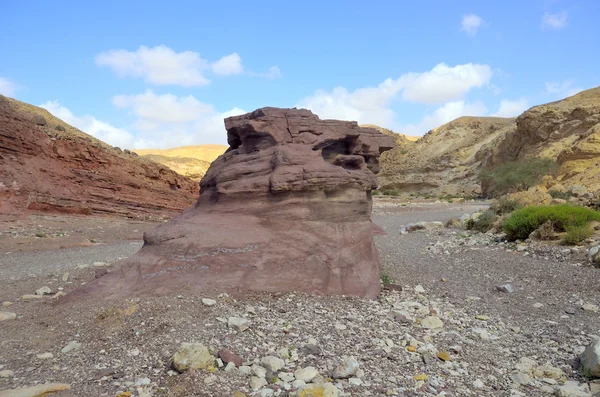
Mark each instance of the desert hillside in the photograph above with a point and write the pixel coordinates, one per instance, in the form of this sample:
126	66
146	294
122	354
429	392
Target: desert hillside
190	161
48	165
444	161
567	131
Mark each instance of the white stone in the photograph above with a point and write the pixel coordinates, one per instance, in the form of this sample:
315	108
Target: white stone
7	316
45	356
257	383
43	291
589	307
478	384
229	367
238	323
355	381
573	389
272	363
297	384
432	322
590	358
259	371
71	346
208	302
7	373
306	374
419	289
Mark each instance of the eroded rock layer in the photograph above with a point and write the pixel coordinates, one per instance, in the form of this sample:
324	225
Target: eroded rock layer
47	165
286	208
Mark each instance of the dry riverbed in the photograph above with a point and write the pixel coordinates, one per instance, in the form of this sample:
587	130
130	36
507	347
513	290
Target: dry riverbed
449	332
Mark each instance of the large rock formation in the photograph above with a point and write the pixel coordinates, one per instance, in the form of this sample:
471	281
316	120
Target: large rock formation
567	131
286	208
446	160
47	165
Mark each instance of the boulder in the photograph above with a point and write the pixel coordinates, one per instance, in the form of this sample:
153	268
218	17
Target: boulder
192	356
590	359
537	195
286	208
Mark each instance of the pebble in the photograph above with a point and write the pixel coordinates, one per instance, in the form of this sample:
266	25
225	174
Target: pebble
589	307
45	356
43	291
257	383
192	356
306	374
208	302
507	287
346	369
7	316
590	358
7	373
419	289
71	346
478	384
272	363
538	305
432	322
238	323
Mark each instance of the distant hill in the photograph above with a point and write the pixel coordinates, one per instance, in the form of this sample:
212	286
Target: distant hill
48	165
191	161
444	161
567	131
448	159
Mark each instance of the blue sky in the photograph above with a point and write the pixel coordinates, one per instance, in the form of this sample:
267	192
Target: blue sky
164	74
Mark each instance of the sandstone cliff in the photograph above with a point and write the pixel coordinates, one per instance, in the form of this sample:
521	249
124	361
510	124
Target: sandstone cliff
190	161
566	130
48	165
444	161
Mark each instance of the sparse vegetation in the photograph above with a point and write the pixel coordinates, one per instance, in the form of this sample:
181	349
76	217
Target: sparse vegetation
484	223
522	222
505	206
577	234
560	195
516	176
386	279
41	234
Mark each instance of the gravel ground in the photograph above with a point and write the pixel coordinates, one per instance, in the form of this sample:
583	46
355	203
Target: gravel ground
448	333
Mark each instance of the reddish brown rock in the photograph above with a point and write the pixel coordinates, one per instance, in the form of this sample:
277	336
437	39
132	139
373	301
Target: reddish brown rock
227	356
286	208
48	166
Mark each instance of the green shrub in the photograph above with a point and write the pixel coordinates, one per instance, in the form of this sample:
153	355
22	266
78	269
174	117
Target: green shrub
484	223
577	234
560	195
505	206
376	193
386	279
520	224
516	175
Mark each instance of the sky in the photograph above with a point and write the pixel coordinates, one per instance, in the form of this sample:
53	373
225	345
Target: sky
157	74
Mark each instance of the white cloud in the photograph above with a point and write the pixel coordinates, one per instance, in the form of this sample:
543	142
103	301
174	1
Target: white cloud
162	108
167	120
443	115
510	108
90	125
228	65
7	87
161	65
562	89
471	24
555	21
442	84
273	73
158	65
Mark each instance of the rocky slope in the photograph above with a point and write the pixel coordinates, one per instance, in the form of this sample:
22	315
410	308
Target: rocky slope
566	130
190	161
48	165
444	161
